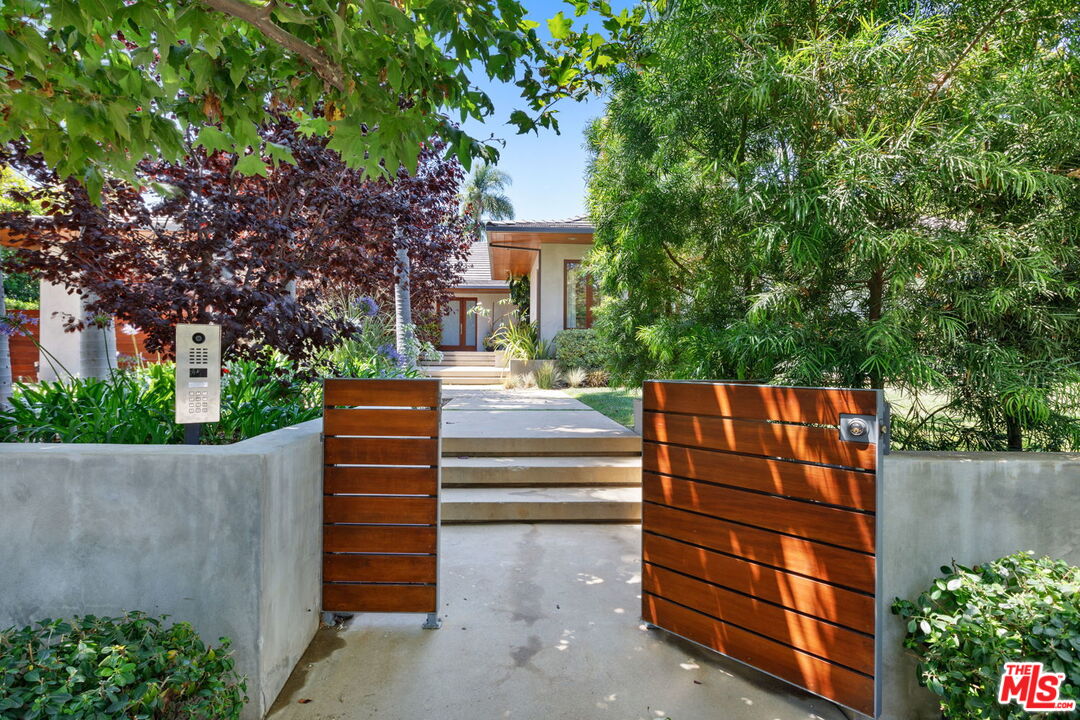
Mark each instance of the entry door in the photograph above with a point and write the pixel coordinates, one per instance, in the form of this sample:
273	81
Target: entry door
459	325
759	528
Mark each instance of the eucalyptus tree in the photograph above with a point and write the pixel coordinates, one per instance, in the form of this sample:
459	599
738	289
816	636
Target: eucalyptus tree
863	193
98	86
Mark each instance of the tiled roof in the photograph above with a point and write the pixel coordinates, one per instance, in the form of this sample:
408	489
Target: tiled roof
478	272
579	224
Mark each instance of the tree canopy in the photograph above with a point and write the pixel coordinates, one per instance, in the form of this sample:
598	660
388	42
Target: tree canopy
483	196
857	193
260	255
97	86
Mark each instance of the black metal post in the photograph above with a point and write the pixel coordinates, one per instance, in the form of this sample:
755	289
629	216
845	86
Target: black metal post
192	431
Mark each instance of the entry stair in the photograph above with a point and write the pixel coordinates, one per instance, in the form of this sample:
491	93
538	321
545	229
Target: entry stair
492	480
465	367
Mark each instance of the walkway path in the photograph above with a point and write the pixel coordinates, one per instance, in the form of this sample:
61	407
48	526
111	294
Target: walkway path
537	455
540	622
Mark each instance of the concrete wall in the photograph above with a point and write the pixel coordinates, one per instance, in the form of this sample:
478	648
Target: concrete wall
971	508
227	538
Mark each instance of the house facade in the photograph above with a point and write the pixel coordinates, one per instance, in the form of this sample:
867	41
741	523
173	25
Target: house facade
481	302
550	254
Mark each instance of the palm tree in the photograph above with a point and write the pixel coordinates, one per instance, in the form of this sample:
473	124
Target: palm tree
482	197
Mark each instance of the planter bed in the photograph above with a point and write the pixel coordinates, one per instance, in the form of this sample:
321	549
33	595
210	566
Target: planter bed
226	537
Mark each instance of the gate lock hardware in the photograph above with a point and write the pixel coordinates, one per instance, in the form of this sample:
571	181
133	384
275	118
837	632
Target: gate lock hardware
858	428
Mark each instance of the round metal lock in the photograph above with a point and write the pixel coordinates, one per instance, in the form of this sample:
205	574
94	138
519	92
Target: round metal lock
857	427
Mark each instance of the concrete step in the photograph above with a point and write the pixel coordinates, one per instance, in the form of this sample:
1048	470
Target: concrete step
505	433
475	381
465	370
485	359
540	471
564	504
466	374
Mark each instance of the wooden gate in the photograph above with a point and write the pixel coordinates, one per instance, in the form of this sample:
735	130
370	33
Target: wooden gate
759	532
381	453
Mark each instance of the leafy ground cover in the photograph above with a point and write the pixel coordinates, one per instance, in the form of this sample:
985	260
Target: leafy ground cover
131	667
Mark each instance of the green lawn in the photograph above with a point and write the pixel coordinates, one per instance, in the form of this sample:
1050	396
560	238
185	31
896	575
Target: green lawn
616	403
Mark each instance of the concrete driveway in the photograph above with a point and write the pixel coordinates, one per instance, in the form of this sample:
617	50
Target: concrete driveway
540	622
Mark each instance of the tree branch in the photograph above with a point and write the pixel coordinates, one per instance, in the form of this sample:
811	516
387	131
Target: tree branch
944	78
675	260
259	17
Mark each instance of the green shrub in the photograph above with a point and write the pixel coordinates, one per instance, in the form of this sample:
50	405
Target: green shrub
580	349
137	406
969	623
131	667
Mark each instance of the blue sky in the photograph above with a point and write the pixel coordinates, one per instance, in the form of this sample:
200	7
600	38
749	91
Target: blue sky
548	170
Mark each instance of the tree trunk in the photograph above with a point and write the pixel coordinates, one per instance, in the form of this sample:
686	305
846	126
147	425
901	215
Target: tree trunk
5	349
1014	433
403	325
97	350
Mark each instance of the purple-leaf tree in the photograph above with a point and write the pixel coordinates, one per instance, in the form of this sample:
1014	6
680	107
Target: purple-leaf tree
258	254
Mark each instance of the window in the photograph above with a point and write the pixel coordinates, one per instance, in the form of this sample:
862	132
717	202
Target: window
579	295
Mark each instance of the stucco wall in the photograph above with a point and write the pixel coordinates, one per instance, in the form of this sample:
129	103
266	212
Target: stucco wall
552	264
227	538
971	508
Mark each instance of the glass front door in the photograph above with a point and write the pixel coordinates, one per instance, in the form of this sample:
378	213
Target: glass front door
459	325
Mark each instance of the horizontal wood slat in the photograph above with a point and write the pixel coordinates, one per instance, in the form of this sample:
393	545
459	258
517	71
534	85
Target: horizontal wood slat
758	402
364	421
381	480
379	538
824	562
800	593
382	393
849	488
379	568
819	676
836	644
799	442
846	528
381	451
379	598
374	509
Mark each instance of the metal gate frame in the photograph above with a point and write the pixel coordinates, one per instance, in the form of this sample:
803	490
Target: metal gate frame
382	451
695	416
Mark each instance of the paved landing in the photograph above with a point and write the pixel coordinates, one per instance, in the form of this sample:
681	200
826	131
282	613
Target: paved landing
529	422
497	398
540	622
